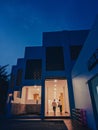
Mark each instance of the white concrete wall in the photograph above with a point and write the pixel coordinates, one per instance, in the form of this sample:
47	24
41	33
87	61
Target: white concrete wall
81	75
82	98
23	98
67	107
16	99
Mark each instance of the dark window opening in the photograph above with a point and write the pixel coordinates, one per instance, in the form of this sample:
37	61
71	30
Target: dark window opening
19	77
33	69
74	51
54	58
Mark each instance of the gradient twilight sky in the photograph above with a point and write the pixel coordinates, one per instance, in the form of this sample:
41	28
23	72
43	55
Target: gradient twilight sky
23	21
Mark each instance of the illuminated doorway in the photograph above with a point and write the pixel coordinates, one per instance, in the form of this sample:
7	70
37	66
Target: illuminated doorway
56	89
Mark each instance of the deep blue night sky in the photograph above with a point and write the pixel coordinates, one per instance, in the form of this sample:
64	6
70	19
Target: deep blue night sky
23	21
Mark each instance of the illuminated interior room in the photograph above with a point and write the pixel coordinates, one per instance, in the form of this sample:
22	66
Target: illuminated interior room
56	89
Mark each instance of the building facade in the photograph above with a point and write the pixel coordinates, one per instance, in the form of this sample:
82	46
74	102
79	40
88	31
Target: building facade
44	74
85	78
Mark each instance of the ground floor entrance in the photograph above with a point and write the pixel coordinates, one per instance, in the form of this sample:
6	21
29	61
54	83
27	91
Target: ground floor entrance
56	89
31	101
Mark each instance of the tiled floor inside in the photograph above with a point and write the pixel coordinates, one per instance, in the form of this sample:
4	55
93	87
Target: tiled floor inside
57	114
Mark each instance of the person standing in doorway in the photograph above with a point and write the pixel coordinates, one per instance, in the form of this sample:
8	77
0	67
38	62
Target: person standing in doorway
60	106
54	105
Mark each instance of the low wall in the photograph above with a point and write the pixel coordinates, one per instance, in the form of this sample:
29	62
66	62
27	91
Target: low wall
18	109
33	108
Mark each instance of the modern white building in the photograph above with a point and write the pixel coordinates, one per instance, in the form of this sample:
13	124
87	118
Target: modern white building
44	74
85	78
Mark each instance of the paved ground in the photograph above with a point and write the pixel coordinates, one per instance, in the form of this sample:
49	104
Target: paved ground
32	125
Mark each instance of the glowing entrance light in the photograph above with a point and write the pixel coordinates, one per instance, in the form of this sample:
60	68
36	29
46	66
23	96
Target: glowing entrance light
35	86
55	80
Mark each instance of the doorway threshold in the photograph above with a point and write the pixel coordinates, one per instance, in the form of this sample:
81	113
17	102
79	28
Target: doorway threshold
57	117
